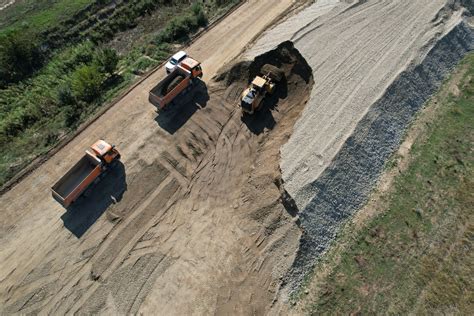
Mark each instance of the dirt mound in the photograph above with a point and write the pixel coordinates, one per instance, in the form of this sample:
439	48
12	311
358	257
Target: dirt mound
284	57
167	88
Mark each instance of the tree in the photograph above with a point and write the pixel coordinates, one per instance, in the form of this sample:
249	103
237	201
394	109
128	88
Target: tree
107	61
19	56
86	82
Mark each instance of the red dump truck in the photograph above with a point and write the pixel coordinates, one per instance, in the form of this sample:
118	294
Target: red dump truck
86	171
177	82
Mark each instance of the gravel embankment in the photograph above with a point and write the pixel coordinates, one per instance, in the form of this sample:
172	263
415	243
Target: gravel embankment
345	185
374	64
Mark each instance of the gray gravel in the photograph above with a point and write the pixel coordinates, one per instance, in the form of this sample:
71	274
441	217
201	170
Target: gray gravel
345	185
374	65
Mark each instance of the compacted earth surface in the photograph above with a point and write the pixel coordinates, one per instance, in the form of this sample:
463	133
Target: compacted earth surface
198	218
195	219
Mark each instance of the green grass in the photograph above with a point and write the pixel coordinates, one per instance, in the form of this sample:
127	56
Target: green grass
417	255
39	15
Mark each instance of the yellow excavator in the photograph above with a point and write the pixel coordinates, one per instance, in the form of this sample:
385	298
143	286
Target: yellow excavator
252	97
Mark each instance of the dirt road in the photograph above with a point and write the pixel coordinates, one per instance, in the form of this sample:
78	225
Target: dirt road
165	243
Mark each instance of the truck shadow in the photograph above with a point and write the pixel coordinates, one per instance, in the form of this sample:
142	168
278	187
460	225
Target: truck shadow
263	118
176	114
84	212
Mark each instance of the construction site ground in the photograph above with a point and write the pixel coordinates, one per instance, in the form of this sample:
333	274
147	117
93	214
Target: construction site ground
196	218
177	217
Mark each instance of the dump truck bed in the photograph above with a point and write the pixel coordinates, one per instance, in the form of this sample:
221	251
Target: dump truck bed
163	93
77	179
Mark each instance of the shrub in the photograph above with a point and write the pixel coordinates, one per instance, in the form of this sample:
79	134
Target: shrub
65	95
18	120
107	61
72	115
86	82
180	27
198	12
158	52
142	64
19	56
80	54
196	8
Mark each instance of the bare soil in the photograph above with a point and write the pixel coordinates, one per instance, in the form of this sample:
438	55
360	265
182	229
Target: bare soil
194	219
197	219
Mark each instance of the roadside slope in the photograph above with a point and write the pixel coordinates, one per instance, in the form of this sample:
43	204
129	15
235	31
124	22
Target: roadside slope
368	85
410	249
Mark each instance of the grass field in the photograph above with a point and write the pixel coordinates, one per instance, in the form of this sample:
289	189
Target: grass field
39	15
416	255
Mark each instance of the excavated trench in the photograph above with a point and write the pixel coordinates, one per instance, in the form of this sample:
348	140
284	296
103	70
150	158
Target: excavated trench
345	184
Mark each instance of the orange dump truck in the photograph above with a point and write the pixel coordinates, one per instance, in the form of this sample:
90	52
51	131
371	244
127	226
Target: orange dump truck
178	81
86	171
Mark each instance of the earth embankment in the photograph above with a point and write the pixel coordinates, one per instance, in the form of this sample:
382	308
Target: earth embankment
374	64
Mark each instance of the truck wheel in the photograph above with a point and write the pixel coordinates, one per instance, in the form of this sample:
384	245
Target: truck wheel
275	73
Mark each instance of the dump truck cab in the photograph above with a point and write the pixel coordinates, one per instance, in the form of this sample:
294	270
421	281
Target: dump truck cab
193	66
105	151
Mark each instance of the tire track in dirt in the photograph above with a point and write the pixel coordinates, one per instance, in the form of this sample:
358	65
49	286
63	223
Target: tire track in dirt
188	217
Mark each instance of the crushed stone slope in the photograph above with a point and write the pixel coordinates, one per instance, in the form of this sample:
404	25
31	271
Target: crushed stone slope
374	64
356	51
345	184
